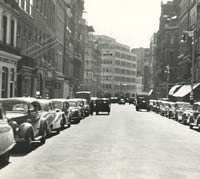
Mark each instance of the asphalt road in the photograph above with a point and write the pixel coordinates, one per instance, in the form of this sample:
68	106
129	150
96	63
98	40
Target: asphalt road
124	145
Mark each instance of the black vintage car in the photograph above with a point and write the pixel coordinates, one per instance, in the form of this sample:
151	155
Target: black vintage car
24	116
142	102
102	105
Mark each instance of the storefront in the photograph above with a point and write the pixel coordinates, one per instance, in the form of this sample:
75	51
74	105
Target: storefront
8	66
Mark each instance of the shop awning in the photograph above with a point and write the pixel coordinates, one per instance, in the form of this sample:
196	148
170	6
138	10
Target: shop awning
174	89
184	90
150	92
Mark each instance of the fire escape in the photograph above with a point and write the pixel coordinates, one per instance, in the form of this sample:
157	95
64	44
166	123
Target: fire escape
38	49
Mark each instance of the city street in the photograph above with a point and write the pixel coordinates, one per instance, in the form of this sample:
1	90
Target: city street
124	145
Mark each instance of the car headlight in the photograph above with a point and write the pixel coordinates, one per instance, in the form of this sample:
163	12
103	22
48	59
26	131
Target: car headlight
14	126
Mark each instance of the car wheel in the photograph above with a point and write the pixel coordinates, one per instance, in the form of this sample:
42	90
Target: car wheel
28	141
4	159
191	127
44	135
97	113
62	124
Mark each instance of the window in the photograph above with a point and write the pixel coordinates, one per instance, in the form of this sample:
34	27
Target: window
4	90
27	6
4	28
12	33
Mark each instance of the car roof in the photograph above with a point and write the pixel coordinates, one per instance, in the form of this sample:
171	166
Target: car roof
181	102
102	99
25	99
198	103
59	99
44	101
73	99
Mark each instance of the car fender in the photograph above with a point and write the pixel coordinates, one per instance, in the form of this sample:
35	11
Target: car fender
43	125
24	128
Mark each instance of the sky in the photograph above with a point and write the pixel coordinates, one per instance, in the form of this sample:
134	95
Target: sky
130	22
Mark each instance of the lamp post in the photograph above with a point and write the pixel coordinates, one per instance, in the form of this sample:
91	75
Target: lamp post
167	83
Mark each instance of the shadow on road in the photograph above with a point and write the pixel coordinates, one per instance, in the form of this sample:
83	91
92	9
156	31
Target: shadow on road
4	165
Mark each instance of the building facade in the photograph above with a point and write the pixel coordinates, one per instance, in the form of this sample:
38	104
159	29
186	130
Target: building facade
118	68
9	53
143	67
167	48
92	64
42	46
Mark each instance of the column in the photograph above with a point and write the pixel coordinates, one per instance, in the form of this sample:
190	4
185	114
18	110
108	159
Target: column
8	29
0	79
1	11
15	33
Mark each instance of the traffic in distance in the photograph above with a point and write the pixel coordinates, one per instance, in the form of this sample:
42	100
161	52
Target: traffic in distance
26	120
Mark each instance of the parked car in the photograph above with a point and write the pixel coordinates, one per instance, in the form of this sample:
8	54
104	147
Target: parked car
62	106
131	100
122	101
178	109
114	100
54	118
74	111
181	111
80	104
164	108
93	103
195	118
24	116
102	105
187	113
157	106
86	108
171	110
7	141
151	104
142	102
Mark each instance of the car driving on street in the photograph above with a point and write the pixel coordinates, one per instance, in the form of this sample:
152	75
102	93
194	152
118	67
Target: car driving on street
102	105
142	102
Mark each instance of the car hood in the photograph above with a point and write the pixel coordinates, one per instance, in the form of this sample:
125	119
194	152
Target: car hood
73	108
12	115
18	117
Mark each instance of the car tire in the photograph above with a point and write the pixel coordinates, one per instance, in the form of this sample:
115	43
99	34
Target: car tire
191	127
28	141
4	159
44	134
97	113
62	125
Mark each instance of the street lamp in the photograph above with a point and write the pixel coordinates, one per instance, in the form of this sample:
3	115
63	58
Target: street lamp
167	84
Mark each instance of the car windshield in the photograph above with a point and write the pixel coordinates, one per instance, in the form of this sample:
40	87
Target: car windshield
45	106
72	103
188	106
180	105
197	107
15	106
58	104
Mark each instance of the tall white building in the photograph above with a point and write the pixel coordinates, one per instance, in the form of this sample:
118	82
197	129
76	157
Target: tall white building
118	68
